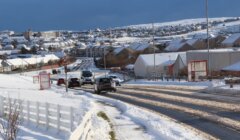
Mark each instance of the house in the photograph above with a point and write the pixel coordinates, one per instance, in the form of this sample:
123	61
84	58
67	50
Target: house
165	64
8	47
49	34
23	63
233	70
20	46
15	63
139	47
197	44
232	41
178	45
19	39
121	57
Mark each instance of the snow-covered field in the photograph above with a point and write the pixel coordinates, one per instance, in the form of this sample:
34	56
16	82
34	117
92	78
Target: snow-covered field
129	122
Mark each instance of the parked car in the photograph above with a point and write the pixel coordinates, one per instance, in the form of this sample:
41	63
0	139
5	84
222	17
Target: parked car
87	77
54	71
104	84
73	82
60	81
116	79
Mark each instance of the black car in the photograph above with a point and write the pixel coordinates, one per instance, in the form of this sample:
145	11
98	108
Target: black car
104	84
73	82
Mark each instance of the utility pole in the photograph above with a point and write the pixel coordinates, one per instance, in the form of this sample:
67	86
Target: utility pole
104	59
66	78
209	65
154	51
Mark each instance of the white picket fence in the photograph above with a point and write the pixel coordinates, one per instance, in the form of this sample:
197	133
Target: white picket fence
46	114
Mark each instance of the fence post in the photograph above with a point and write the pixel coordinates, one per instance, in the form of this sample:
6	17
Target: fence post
37	113
28	111
71	119
46	115
1	106
58	118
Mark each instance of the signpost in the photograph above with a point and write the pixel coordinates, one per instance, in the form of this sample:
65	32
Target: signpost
44	79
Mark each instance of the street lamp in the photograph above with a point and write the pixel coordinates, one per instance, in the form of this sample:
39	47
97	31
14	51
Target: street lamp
209	66
104	59
154	52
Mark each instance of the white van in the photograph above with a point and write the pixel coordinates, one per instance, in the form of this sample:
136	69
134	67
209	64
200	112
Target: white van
87	77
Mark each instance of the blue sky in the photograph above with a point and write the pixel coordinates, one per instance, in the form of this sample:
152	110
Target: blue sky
20	15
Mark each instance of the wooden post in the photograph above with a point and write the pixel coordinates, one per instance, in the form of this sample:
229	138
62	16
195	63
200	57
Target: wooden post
71	119
46	115
28	111
37	113
58	118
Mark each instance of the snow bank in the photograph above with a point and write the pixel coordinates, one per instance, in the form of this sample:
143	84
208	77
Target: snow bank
161	127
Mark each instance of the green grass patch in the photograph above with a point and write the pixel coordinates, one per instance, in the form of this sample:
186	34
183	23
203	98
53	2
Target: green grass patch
112	135
105	117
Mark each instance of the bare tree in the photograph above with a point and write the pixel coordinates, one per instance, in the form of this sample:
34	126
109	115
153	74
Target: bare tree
9	124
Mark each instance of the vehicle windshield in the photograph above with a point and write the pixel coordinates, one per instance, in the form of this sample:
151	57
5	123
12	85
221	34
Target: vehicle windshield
104	80
74	79
113	76
87	74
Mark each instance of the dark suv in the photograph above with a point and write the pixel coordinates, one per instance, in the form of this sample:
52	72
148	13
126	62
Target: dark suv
73	82
104	84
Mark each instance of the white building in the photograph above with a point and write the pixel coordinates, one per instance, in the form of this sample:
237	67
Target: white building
218	58
165	64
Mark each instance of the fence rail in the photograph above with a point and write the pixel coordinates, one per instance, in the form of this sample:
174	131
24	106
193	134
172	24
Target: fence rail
45	114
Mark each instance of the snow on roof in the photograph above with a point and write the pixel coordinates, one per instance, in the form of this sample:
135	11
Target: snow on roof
215	50
191	41
21	46
161	58
49	57
138	46
7	40
175	45
8	52
52	44
9	47
59	54
129	39
118	50
231	39
102	39
17	62
33	60
39	59
81	45
233	67
130	66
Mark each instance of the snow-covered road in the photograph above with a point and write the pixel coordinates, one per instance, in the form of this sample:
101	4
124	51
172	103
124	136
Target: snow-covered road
129	122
